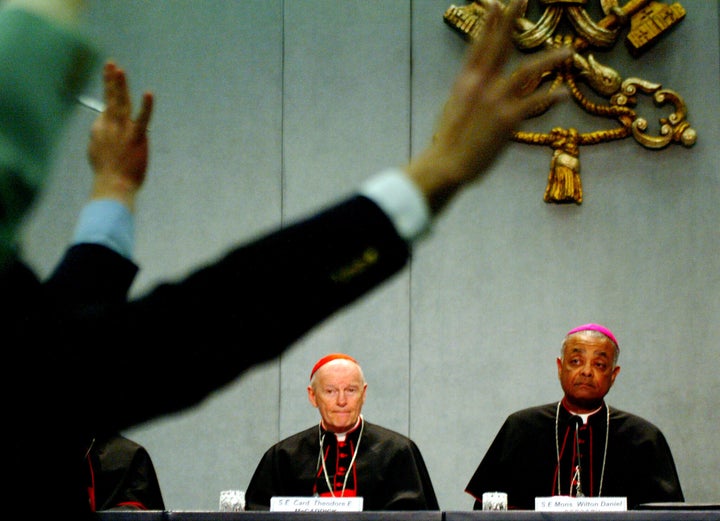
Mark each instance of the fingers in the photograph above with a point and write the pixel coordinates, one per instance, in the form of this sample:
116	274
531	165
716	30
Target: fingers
533	68
109	86
491	50
531	72
143	119
522	87
118	104
117	99
484	76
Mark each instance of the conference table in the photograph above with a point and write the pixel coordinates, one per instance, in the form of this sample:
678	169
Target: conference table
697	512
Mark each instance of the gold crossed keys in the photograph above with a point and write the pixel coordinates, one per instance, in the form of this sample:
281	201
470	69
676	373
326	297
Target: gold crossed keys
616	98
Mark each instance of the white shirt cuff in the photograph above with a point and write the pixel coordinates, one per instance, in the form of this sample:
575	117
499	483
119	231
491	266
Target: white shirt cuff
401	200
109	223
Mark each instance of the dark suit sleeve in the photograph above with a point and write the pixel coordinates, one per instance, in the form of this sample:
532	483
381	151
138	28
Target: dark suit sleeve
90	275
188	338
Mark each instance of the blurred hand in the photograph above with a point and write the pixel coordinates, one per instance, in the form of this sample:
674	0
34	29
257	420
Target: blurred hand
118	149
484	108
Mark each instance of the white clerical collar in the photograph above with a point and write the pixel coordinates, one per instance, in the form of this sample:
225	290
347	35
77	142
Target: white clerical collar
340	436
584	415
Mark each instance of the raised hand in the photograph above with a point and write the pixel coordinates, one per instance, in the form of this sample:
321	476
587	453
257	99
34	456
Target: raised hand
484	108
118	149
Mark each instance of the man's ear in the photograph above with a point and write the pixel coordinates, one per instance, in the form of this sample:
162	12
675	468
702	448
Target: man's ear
311	396
559	366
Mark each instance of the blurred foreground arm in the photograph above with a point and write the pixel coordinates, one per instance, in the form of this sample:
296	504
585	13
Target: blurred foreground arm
269	292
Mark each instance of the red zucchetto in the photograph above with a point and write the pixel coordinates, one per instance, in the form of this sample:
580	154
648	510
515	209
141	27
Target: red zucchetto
329	358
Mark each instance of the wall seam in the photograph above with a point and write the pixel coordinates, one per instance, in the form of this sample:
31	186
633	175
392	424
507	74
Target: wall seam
282	193
410	262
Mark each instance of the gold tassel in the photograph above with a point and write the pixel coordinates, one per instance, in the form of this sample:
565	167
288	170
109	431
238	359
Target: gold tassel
564	184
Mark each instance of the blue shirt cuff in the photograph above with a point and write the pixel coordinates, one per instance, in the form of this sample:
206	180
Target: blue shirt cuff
109	223
401	200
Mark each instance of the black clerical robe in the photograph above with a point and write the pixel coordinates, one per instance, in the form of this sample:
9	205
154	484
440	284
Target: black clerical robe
522	459
389	472
122	476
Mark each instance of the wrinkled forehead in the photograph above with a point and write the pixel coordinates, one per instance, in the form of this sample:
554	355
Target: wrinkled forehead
588	343
339	373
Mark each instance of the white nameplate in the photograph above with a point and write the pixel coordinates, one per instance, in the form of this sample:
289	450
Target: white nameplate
580	504
315	504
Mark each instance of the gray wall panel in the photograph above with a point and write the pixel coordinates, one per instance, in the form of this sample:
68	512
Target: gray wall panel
337	98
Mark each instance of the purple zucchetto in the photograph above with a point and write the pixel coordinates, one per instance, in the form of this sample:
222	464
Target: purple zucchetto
595	327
